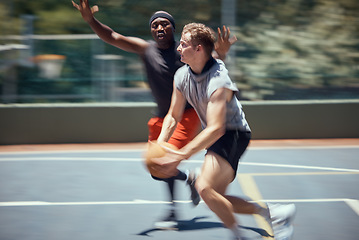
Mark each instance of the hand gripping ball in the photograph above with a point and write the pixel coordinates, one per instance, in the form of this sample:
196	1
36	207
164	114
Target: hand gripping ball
155	150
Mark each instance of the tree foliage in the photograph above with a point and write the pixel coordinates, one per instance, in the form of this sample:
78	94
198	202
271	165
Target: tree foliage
305	42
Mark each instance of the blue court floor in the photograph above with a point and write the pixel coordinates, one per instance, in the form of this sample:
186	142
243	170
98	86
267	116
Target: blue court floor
99	191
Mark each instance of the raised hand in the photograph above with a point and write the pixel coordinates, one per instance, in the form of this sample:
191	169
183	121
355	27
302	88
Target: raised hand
224	42
86	12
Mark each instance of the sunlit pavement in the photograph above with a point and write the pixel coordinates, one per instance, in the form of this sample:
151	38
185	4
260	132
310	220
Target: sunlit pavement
103	191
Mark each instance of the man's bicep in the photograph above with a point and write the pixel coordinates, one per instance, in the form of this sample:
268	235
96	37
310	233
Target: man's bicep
216	108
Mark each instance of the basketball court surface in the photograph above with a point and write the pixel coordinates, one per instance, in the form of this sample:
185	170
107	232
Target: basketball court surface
103	191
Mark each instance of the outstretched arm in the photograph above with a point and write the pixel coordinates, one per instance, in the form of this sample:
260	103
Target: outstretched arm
129	44
224	42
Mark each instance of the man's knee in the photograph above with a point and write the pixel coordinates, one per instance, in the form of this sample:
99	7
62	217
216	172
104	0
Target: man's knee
204	189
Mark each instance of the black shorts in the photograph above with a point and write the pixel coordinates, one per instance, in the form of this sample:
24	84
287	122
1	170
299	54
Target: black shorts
231	146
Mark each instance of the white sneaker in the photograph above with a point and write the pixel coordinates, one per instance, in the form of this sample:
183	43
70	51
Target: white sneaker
283	232
168	222
281	217
281	214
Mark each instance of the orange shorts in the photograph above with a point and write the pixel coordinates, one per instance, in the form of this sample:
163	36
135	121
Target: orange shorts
185	131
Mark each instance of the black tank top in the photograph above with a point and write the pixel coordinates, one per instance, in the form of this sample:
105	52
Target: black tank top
161	66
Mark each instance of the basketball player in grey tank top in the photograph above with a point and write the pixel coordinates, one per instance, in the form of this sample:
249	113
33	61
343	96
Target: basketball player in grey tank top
198	88
205	84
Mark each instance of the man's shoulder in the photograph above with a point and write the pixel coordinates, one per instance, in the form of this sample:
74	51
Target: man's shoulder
151	44
182	70
180	75
219	69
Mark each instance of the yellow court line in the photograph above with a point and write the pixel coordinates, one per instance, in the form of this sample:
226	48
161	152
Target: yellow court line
250	189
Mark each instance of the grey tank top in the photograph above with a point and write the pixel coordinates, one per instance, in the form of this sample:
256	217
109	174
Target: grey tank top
198	89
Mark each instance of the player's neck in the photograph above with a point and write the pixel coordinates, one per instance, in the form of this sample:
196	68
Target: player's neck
165	44
198	66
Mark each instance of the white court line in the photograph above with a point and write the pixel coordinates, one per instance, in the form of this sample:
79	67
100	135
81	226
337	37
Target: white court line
299	166
315	200
143	149
73	151
43	203
303	147
187	161
353	203
89	159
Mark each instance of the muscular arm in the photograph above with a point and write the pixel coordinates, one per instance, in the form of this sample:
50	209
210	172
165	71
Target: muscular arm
216	123
129	44
216	127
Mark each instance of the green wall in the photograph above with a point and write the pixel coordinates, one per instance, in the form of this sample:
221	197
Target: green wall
127	122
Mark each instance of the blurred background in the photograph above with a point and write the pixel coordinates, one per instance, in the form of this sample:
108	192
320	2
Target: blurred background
287	49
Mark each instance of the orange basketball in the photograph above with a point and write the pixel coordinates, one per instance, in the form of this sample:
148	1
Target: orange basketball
155	150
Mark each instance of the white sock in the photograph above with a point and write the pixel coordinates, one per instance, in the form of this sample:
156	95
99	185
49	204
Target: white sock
187	174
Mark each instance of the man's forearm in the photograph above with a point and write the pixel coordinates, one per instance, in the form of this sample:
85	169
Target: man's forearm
102	30
203	140
168	127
